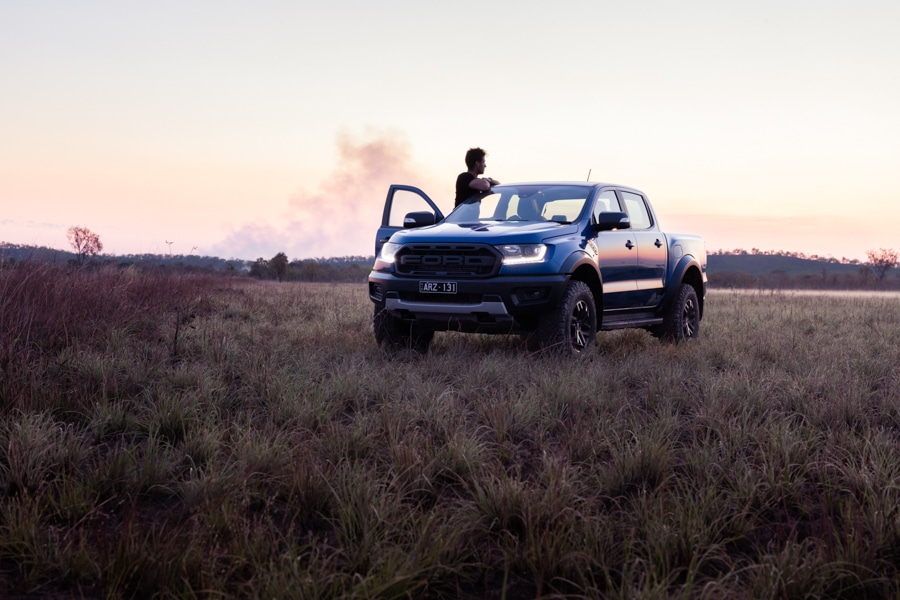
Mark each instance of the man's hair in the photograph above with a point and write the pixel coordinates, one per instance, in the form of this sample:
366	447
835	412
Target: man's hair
474	155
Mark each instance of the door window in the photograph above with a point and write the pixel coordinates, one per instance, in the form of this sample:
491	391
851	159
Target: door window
637	211
606	202
405	202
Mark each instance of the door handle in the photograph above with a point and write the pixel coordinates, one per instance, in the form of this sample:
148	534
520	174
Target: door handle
629	245
658	244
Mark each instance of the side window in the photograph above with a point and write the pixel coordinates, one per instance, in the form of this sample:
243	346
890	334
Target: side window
405	202
637	211
606	202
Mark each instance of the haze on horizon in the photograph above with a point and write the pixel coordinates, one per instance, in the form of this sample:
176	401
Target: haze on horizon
243	131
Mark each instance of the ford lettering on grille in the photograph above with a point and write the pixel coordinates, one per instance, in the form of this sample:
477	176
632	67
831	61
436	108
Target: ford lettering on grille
453	261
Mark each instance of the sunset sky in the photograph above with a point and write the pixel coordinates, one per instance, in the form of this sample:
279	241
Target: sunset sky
243	129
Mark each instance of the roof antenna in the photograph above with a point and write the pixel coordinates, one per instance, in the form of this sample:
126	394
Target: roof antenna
589	175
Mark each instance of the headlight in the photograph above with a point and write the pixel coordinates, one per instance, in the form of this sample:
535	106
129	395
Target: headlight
388	251
517	254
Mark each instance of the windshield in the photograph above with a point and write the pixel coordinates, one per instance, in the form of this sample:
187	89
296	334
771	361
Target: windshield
561	203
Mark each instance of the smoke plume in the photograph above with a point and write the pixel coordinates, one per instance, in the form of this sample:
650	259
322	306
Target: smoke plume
341	217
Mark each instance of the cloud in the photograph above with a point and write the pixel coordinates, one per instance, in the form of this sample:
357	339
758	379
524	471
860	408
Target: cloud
341	217
31	224
33	233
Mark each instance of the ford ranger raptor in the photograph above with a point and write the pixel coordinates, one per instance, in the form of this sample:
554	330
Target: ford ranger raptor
555	262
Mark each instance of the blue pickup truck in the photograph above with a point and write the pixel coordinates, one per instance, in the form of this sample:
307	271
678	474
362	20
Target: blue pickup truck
555	262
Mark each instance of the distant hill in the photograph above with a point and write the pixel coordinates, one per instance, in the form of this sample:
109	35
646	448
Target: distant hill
767	264
341	268
19	253
774	270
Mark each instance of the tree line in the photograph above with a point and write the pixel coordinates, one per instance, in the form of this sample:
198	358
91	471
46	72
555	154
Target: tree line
342	269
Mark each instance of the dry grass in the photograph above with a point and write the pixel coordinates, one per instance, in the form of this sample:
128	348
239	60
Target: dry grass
186	437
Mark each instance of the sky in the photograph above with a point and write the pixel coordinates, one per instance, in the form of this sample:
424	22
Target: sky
244	129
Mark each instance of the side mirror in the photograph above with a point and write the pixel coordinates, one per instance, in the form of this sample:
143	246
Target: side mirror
610	221
418	219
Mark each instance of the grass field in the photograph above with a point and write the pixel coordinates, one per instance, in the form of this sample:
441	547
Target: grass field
178	436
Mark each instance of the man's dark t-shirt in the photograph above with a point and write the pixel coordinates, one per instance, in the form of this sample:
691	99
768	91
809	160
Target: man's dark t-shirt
463	190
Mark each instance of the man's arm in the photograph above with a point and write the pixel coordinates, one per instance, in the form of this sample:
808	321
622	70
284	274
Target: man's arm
483	184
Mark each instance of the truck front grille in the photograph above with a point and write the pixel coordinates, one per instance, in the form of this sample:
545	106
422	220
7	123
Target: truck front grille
456	261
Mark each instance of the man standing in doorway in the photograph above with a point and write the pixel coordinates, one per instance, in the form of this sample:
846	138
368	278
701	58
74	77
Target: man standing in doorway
468	183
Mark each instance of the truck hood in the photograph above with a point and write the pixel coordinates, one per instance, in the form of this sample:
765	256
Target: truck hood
492	232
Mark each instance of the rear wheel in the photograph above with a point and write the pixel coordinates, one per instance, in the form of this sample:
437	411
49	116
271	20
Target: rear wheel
572	326
393	334
681	323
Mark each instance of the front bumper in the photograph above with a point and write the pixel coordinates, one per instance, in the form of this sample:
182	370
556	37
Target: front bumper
498	304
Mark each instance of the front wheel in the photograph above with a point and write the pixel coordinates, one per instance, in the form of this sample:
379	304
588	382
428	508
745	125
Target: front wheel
392	334
571	327
681	323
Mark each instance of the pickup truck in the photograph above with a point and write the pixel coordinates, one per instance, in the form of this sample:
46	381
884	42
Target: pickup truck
555	262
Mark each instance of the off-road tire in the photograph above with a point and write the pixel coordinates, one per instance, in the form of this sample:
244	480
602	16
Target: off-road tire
681	323
571	327
393	335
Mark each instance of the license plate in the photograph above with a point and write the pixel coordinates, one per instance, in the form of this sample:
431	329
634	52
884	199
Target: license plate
437	287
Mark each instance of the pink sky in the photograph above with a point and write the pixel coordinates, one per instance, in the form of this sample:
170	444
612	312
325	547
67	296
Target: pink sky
242	131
